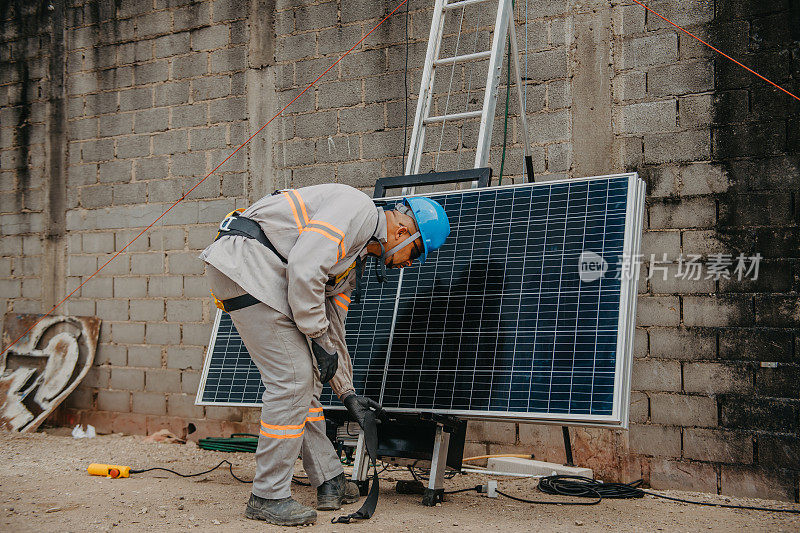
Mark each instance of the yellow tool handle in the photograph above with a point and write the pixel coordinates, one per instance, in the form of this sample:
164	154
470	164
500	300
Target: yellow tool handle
114	471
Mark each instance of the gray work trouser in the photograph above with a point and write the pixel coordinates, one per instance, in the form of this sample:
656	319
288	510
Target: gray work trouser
291	417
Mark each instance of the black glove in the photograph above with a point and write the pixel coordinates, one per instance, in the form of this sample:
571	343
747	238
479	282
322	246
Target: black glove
359	406
326	362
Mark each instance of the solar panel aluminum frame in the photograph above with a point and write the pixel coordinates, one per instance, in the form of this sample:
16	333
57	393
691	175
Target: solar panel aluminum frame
625	328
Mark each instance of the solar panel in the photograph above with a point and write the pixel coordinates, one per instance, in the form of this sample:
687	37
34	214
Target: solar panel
525	312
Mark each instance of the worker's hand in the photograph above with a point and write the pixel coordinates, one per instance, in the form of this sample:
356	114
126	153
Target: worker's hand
326	362
359	406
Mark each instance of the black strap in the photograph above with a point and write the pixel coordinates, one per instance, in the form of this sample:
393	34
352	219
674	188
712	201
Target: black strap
239	302
245	227
371	441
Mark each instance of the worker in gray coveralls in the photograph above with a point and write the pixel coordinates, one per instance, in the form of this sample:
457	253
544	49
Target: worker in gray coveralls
285	269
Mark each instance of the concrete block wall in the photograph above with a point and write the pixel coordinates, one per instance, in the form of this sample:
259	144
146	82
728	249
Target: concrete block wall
145	98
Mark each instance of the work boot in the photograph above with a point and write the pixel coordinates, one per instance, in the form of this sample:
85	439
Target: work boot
283	511
334	492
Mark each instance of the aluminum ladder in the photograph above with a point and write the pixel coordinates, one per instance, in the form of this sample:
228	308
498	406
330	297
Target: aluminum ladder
504	27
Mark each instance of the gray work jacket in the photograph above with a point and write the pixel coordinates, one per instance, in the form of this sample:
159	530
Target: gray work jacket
320	230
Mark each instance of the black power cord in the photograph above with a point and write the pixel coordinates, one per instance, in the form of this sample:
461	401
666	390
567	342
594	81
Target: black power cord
224	461
586	487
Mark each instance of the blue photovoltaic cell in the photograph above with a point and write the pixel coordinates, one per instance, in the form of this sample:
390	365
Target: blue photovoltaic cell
497	321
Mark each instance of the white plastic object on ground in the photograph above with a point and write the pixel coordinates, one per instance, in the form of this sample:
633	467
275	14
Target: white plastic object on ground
79	433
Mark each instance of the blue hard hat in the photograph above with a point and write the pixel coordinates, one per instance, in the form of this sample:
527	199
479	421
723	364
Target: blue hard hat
432	223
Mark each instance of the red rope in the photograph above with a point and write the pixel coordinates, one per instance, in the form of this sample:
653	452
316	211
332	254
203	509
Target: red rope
202	180
717	50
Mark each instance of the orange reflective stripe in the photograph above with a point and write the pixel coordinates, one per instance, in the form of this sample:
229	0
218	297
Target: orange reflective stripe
329	226
315	410
302	205
323	233
315	419
274	436
294	210
271	426
344	297
340	304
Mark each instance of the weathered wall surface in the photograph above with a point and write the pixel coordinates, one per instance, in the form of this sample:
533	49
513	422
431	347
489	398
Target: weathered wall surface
113	110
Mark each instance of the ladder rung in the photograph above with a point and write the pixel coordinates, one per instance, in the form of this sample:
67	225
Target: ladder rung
454	116
461	59
463	3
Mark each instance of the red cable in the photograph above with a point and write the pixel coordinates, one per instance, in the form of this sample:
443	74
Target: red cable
202	180
717	50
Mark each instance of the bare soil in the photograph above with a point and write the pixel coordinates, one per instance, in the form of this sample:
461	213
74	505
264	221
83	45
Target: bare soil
44	486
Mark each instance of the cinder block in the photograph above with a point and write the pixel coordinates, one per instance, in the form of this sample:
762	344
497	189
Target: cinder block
717	446
174	93
658	49
656	375
151	168
195	287
210	38
150	121
163	380
115	171
754	482
682	343
677	147
639	411
518	465
229	59
192	16
549	127
681	78
184	263
129	193
190	382
646	117
170	142
651	440
190	66
183	405
196	334
116	124
153	24
117	401
163	334
94	151
174	44
687	213
130	379
147	263
184	310
98	288
294	47
193	165
658	311
367	119
111	354
682	475
113	309
339	94
206	138
224	413
497	432
132	99
147	310
227	110
185	357
150	403
187	116
144	356
135	146
130	287
697	13
716	378
777	310
683	410
127	333
80	399
164	286
717	311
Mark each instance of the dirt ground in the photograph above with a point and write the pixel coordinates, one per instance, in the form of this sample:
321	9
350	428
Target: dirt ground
44	486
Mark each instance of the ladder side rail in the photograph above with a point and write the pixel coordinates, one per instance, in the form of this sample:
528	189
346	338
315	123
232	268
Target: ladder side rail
492	81
426	88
